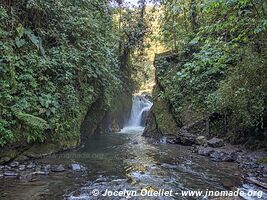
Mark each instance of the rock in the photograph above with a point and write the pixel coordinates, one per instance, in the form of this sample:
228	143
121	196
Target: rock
144	117
186	139
38	168
115	127
205	151
57	168
22	167
231	157
25	176
134	142
75	167
21	158
217	156
11	173
31	166
6	167
40	173
220	156
2	167
8	155
215	142
14	164
201	140
46	168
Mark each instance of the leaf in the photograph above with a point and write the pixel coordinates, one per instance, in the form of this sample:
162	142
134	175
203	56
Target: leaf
20	30
37	41
19	42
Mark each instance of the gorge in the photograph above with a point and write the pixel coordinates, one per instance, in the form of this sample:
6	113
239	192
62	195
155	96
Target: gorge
104	99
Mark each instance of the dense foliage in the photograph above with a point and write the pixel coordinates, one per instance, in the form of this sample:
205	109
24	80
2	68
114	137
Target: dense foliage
220	65
56	59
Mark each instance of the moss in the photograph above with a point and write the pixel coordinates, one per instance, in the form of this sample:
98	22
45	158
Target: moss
45	149
8	156
263	160
162	121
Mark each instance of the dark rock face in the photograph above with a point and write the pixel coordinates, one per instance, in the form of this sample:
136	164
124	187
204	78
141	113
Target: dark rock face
160	121
185	139
144	117
215	142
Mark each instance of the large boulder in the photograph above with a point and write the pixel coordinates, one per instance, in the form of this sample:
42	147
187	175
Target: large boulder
57	168
201	140
160	121
215	142
185	139
205	151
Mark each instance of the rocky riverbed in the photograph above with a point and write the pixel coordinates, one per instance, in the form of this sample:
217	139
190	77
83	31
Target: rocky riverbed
252	163
132	161
29	170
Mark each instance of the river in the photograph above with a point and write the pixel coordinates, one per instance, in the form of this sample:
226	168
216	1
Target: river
126	161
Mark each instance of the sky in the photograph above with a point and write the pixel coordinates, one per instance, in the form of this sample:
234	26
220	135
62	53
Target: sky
135	2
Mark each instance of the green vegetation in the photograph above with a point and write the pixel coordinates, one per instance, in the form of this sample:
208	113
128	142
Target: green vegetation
56	59
59	59
219	68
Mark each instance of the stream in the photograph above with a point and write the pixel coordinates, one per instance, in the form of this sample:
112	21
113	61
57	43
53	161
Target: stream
126	161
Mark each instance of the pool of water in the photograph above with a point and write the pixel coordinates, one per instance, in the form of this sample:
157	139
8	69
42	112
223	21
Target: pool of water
126	160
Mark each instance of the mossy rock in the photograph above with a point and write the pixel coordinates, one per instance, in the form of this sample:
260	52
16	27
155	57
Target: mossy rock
263	160
161	121
45	149
8	156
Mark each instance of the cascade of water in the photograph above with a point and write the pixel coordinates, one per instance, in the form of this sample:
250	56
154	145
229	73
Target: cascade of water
140	105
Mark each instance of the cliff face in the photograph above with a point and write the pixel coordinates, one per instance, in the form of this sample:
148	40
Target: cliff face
160	121
164	120
181	111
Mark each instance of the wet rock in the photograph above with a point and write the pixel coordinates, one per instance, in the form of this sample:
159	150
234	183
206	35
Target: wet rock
57	168
215	142
6	167
185	139
2	167
40	173
134	142
46	168
25	176
75	167
38	168
205	151
115	127
14	164
220	156
217	156
30	166
201	140
22	167
10	174
21	158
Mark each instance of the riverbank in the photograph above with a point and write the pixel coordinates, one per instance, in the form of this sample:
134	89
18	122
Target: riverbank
116	161
252	163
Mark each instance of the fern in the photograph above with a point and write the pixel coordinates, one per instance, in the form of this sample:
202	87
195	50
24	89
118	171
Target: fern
32	121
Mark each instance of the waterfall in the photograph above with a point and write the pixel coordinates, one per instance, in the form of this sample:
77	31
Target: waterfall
140	106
